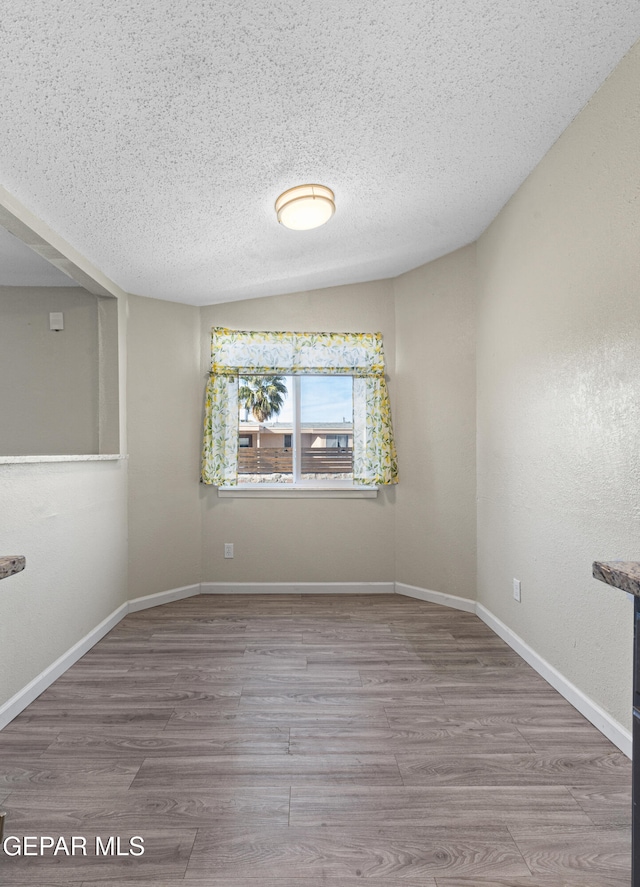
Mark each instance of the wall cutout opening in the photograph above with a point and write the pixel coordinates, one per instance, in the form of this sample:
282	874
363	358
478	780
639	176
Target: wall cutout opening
58	387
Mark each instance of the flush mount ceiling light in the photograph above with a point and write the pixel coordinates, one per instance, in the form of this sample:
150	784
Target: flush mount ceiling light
305	206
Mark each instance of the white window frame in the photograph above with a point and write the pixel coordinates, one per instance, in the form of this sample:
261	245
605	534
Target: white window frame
300	487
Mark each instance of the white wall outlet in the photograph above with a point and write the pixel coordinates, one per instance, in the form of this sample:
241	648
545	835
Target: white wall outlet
228	549
516	590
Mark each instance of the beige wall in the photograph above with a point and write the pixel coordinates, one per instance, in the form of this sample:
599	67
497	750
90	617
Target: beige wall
109	407
70	520
559	396
49	381
165	396
303	540
435	425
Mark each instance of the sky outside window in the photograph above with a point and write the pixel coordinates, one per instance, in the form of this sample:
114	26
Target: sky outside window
322	399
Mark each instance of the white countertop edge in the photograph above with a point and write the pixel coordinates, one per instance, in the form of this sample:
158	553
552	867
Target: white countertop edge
101	457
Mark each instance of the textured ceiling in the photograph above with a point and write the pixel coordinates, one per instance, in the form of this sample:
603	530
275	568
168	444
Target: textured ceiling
154	136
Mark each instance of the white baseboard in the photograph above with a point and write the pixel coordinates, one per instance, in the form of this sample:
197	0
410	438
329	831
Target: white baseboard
162	597
24	697
12	708
297	588
619	735
602	720
612	729
436	597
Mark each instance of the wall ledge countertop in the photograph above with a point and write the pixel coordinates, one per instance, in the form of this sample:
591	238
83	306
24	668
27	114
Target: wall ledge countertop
10	564
620	574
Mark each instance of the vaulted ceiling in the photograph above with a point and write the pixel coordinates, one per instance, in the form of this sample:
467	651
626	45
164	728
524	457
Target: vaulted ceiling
155	136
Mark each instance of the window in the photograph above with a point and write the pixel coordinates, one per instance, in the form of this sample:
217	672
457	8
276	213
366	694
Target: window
337	440
303	429
326	412
315	406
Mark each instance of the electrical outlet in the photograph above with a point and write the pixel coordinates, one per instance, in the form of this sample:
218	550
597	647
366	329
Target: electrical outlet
228	549
516	590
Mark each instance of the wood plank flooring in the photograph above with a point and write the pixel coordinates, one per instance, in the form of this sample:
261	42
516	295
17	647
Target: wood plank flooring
313	741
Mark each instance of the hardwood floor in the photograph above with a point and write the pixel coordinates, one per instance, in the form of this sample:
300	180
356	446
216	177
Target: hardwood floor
313	741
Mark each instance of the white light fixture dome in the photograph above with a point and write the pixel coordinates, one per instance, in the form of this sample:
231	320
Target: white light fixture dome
305	206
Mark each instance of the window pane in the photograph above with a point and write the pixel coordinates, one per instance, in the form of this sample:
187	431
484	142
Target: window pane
326	406
265	408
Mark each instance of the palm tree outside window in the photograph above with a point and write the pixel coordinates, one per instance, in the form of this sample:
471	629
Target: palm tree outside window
263	396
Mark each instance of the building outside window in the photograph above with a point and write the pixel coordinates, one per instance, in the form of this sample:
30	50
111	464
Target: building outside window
313	426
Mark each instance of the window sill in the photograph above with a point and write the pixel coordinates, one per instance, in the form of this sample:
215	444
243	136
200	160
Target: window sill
99	457
289	491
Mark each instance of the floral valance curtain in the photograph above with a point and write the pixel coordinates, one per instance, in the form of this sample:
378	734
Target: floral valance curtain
235	353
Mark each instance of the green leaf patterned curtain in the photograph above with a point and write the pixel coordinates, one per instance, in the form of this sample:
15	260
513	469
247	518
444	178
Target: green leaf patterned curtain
236	353
220	449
